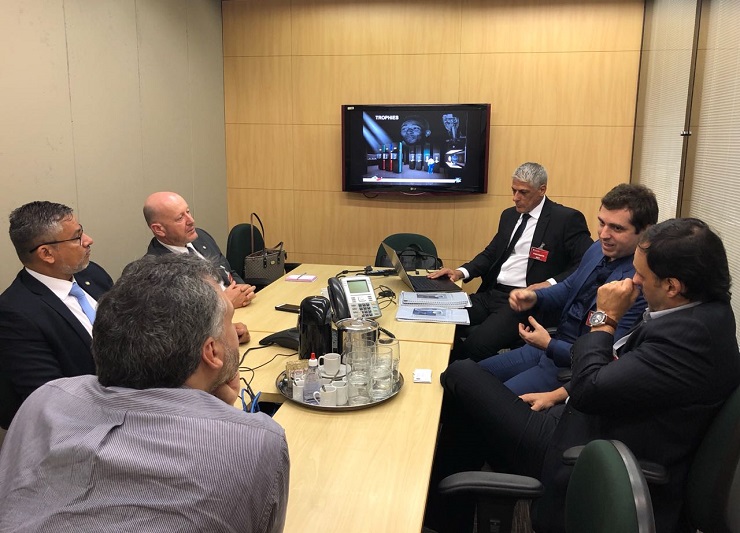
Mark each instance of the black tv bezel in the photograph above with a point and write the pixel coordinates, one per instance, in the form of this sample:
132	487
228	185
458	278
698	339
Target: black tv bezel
481	187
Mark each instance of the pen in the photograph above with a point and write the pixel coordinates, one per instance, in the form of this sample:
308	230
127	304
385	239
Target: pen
300	276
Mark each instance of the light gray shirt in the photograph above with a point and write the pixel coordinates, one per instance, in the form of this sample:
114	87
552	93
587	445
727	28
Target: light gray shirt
82	457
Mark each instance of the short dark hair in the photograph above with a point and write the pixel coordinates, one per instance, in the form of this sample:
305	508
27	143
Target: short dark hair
151	326
34	223
638	199
688	250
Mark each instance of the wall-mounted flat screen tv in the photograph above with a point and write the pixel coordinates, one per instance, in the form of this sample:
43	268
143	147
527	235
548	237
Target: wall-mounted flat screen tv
439	148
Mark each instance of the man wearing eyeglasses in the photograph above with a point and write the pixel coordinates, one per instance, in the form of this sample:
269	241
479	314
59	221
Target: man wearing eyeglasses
47	313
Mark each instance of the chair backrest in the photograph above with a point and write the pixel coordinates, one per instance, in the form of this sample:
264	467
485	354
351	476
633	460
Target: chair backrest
239	245
411	242
713	487
607	492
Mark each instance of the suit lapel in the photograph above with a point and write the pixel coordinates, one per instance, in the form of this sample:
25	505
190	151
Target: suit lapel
50	299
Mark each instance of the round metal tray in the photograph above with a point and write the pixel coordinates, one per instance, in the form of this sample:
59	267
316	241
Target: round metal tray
282	385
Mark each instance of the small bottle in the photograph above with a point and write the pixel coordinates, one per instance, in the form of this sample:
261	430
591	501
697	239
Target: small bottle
311	381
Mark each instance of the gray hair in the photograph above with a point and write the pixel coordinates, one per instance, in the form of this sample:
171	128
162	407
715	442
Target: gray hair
150	327
35	222
532	173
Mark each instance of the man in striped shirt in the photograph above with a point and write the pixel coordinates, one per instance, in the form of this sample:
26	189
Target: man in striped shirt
152	443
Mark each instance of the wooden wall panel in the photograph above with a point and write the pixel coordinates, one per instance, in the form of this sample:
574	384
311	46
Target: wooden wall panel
251	30
561	77
420	27
580	88
547	26
321	84
259	156
257	90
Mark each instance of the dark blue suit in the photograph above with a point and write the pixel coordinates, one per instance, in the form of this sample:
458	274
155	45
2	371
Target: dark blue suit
529	369
40	339
206	246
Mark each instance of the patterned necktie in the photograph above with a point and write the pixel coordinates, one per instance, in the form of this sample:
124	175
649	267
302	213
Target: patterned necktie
79	294
517	234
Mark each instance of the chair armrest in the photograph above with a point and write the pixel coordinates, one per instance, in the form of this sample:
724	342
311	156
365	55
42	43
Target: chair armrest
654	473
491	484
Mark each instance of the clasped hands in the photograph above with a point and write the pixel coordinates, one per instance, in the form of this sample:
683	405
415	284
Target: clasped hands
240	295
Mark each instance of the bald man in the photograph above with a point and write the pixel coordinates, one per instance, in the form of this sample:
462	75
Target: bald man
168	216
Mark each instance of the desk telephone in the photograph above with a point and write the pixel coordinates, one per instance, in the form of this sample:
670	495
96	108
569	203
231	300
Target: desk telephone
353	297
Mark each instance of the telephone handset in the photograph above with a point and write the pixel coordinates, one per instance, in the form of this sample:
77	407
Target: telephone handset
353	297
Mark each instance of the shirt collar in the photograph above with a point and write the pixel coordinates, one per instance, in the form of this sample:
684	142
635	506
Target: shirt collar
652	315
60	287
176	249
535	213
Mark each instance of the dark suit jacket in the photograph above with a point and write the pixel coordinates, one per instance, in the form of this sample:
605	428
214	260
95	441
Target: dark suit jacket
561	296
671	378
40	338
560	230
206	246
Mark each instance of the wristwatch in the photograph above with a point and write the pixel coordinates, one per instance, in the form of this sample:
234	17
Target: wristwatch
600	318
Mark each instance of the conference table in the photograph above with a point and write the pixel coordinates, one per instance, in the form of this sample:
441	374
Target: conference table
365	470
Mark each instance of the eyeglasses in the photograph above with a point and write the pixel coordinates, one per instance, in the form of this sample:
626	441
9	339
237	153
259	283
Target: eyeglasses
77	238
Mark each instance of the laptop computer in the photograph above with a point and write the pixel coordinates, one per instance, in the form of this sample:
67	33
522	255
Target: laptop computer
419	283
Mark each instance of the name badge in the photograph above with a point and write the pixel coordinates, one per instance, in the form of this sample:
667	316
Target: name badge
538	254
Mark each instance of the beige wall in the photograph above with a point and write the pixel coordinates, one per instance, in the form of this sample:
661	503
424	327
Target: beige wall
561	77
105	101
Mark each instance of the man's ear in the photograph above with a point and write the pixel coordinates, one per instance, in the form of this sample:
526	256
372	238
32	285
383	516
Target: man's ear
44	254
674	287
212	354
157	229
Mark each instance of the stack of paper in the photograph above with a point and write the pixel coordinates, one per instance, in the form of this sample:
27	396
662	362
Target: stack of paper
446	307
455	300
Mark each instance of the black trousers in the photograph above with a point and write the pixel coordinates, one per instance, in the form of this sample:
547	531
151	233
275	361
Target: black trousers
493	326
483	421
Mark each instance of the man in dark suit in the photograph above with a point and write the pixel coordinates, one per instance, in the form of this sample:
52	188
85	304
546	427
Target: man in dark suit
658	394
168	216
45	330
626	212
524	253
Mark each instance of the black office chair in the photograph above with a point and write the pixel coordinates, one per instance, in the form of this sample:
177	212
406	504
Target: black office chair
607	492
418	250
713	488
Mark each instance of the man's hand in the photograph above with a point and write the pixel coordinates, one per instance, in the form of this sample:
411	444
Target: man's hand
454	275
229	391
240	295
522	299
535	335
539	401
242	332
541	285
616	297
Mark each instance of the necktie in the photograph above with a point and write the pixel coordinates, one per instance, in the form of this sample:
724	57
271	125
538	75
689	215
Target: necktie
517	234
191	250
79	294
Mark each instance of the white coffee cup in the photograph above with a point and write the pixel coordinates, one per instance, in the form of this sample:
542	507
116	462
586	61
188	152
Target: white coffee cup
342	390
298	385
331	363
326	396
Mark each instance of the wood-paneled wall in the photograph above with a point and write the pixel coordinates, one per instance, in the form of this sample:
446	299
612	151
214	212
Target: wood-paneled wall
561	77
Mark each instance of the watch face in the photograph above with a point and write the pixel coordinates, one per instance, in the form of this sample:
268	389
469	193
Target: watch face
597	318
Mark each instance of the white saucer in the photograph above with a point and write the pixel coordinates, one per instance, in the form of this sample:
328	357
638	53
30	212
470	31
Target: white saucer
341	374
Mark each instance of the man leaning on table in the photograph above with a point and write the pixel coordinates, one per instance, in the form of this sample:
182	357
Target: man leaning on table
168	216
153	442
539	243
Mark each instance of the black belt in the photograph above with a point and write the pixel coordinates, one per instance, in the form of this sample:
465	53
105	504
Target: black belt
505	288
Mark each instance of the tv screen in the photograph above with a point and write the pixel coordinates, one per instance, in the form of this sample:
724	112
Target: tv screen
439	148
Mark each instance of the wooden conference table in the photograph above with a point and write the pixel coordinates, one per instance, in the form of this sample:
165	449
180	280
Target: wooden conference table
358	471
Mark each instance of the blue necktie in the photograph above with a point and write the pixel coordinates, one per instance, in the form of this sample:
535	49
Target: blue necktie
78	293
